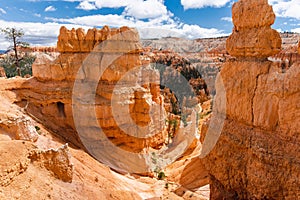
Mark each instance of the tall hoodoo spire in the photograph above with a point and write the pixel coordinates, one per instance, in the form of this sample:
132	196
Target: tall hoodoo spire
252	33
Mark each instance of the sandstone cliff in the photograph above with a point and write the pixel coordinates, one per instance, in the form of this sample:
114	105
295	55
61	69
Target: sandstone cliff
128	104
257	154
58	76
208	54
44	167
101	96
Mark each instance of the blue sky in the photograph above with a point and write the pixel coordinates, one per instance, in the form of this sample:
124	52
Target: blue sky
41	19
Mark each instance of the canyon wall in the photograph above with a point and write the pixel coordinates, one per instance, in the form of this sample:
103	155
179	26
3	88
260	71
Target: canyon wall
48	96
102	94
257	154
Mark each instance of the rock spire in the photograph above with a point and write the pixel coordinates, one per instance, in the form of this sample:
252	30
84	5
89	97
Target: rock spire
252	33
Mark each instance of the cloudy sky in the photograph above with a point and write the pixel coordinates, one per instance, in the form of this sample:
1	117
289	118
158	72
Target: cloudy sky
41	19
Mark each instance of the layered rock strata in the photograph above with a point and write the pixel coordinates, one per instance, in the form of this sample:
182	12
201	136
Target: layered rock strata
181	84
257	154
15	124
124	84
252	35
26	156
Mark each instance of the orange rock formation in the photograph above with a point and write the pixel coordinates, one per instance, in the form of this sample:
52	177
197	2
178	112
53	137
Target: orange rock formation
2	72
257	154
72	41
125	110
252	35
59	74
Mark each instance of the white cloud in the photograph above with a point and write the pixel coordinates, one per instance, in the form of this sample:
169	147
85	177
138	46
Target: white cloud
190	4
195	31
44	34
111	3
151	18
4	44
286	8
37	14
50	9
140	9
146	9
86	5
228	19
2	11
162	26
96	20
296	30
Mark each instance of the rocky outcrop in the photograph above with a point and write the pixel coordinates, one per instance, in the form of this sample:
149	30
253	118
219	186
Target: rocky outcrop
57	161
26	154
82	57
252	35
45	49
286	59
2	72
73	41
209	54
176	70
257	154
100	95
44	169
15	124
185	46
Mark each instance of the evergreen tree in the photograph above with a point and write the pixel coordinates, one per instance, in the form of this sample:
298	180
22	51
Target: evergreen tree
14	36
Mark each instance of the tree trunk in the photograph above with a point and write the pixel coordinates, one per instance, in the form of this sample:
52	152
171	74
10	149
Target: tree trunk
16	53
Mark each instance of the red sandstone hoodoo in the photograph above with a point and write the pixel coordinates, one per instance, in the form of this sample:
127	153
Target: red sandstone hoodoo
257	154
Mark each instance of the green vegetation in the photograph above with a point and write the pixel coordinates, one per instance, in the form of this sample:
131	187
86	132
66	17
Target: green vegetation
175	107
16	63
25	65
154	159
184	119
172	126
203	115
167	185
37	128
161	175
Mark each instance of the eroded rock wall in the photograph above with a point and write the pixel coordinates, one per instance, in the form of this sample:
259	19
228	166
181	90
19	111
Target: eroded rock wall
257	154
111	59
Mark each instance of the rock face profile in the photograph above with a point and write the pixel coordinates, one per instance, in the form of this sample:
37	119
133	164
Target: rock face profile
252	35
74	41
100	95
58	161
257	155
15	124
26	156
82	58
